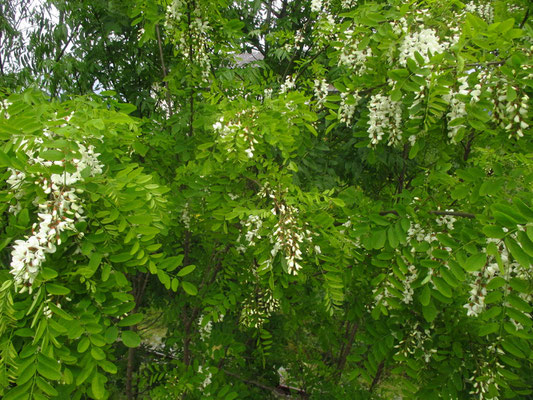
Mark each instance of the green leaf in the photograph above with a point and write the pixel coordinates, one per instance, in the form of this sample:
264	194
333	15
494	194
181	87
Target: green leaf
519	303
442	286
186	270
111	334
496	283
163	278
108	366
85	372
5	161
519	317
97	353
59	312
189	288
520	285
46	370
58	290
130	339
98	124
517	252
132	319
83	344
487	329
26	371
48	273
425	296
46	387
475	262
429	312
52	155
510	348
95	260
98	386
493	231
378	238
120	258
19	392
393	239
526	243
174	284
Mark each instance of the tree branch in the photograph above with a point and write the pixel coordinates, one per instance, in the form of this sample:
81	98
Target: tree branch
436	212
163	67
347	348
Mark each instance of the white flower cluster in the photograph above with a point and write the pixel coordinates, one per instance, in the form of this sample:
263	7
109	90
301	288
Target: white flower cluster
192	44
420	235
385	115
400	26
324	30
4	105
424	42
478	292
348	3
316	5
446	220
205	328
268	93
321	91
351	57
235	131
289	84
400	288
347	107
59	212
416	343
457	107
511	115
257	309
484	10
186	217
207	380
407	282
173	14
253	225
288	235
489	376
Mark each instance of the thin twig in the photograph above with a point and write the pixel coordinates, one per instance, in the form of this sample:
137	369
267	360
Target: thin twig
525	19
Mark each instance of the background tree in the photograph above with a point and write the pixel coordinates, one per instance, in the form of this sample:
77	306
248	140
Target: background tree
328	199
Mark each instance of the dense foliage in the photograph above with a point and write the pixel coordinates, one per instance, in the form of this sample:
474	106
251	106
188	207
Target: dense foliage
255	199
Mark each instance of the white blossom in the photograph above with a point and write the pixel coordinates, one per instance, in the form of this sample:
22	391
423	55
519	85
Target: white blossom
423	42
316	5
321	91
385	115
58	212
290	83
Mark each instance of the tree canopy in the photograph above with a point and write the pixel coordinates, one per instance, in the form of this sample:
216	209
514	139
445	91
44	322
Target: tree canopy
326	199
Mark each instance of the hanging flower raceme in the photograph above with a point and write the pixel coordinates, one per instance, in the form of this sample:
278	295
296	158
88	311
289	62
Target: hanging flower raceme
256	310
237	133
351	56
59	211
425	42
385	116
189	30
288	235
321	91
